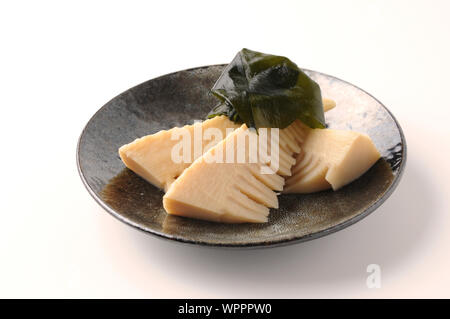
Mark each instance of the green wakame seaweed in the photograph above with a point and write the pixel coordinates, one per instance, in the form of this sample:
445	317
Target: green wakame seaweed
264	90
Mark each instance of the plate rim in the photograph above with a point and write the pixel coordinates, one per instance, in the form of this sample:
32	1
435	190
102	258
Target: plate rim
251	245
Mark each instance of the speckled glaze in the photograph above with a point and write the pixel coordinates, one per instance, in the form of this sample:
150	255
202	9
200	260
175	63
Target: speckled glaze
180	98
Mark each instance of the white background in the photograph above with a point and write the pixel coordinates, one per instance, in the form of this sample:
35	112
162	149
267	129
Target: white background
61	61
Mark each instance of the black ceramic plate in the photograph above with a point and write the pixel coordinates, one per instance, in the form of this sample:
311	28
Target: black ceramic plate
180	98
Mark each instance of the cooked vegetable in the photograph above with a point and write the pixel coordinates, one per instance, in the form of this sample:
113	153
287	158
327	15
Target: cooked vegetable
331	159
264	90
151	156
224	192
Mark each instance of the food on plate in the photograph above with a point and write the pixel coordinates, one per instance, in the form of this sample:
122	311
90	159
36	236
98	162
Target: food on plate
265	90
268	102
331	159
225	192
151	156
328	104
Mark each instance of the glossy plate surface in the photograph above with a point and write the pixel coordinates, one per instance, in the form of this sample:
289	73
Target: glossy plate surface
180	98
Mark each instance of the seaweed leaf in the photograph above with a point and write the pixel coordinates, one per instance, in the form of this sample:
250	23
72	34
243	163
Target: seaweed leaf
264	90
